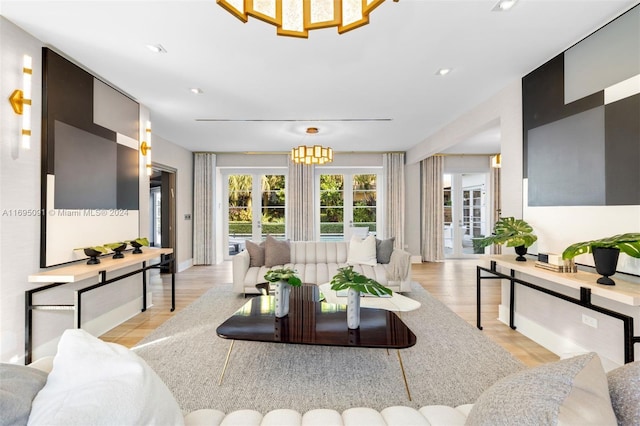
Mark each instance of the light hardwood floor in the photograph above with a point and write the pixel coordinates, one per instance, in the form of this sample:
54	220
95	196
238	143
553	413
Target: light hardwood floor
452	282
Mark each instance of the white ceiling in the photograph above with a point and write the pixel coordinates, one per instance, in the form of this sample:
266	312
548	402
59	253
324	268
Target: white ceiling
385	70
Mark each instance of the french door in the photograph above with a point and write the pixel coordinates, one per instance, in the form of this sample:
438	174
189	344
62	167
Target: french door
465	213
255	208
346	201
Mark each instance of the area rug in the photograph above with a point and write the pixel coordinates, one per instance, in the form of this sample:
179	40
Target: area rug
452	363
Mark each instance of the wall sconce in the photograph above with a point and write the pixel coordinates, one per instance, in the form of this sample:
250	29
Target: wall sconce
20	101
496	161
145	148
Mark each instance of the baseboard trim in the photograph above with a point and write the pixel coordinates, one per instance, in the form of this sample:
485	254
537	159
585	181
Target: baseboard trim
556	343
97	326
416	259
183	266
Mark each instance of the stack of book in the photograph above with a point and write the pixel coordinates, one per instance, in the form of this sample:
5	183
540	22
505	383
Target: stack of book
554	262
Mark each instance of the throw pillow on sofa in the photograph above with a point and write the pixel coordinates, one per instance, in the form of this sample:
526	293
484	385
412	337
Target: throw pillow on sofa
384	248
624	389
256	253
276	252
361	251
570	391
19	385
97	383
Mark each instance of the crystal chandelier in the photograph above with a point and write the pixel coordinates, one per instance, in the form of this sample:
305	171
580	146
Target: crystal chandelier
295	18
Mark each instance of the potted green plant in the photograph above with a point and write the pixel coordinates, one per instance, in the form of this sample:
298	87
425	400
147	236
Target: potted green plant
117	248
514	233
137	244
605	253
283	278
93	252
356	283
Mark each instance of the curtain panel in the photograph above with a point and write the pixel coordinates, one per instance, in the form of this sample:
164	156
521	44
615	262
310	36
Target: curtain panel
432	203
204	208
393	170
300	202
496	203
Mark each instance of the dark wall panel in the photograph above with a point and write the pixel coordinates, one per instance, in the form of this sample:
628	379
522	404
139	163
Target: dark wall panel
128	188
86	170
622	133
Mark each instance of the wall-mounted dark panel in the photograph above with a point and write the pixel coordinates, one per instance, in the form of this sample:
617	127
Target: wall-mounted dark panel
128	188
86	170
622	154
554	127
90	184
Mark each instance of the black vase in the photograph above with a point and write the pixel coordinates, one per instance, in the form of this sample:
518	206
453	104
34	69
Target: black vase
136	247
521	251
118	251
93	254
606	260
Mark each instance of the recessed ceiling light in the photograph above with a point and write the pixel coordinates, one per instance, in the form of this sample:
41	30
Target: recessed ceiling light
196	90
156	48
443	71
504	5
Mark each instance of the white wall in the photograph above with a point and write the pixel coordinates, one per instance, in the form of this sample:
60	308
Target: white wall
20	170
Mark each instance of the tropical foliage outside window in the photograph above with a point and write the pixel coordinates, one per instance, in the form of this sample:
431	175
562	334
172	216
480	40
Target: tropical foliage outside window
364	201
363	191
241	205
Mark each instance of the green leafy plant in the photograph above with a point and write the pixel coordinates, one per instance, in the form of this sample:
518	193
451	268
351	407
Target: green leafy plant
510	231
283	274
101	249
347	278
143	241
628	243
114	246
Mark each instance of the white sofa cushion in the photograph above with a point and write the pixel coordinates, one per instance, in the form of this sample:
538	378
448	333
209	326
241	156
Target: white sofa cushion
97	383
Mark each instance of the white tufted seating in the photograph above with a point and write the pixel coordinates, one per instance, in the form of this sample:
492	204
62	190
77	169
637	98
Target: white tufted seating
433	415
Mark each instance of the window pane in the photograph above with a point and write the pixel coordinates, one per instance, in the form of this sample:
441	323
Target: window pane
240	205
273	205
331	207
364	200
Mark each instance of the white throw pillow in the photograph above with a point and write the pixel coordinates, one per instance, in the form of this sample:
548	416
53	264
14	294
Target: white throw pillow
97	383
362	251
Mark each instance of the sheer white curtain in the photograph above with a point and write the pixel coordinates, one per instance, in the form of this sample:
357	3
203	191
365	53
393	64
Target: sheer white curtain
393	169
300	202
204	208
496	202
432	217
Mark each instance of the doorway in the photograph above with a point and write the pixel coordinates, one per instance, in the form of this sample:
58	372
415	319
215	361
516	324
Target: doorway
162	209
465	213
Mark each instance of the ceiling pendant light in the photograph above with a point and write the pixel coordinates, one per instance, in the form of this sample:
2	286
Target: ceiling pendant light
315	154
295	18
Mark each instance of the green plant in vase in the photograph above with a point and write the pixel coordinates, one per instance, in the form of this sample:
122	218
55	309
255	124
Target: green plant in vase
137	244
284	279
356	283
93	252
514	233
117	248
605	253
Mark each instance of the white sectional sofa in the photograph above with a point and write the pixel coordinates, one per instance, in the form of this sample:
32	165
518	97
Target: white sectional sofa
317	263
90	382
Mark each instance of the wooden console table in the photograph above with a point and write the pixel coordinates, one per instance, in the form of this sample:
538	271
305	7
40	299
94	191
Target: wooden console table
79	271
624	292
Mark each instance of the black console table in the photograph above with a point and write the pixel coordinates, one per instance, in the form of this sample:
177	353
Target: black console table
81	271
623	292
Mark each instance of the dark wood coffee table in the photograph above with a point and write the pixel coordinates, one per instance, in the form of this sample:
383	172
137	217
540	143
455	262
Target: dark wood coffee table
315	323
